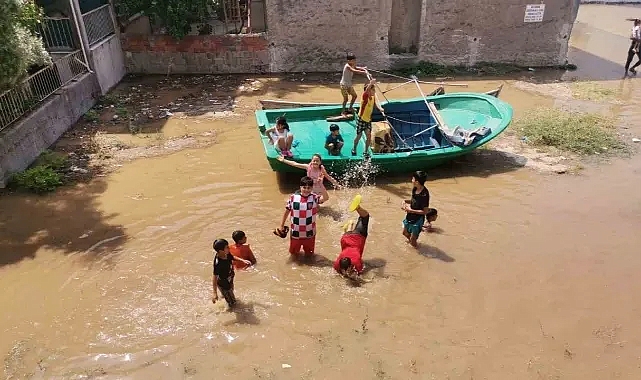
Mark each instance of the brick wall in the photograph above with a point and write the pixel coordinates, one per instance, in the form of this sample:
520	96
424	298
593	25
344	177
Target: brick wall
160	54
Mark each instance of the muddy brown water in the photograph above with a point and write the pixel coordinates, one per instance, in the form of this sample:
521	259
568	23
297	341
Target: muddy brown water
527	276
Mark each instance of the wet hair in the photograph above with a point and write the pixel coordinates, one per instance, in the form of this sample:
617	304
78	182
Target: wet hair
334	127
431	212
345	263
306	181
220	244
420	177
282	121
238	236
350	56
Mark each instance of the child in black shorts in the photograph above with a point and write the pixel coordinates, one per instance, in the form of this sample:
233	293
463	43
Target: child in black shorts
224	272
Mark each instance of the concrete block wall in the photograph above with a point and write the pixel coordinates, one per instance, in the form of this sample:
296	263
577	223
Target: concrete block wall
316	35
468	32
227	54
23	142
108	62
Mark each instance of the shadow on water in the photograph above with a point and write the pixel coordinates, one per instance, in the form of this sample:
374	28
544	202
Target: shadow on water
432	252
245	313
317	260
69	221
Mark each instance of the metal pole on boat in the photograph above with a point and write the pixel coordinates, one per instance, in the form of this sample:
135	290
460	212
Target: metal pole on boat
432	83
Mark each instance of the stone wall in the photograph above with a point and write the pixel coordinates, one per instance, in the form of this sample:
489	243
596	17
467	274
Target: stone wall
227	54
22	143
316	36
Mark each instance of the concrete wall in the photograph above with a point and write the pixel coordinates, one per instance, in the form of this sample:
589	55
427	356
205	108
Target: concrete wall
315	36
108	63
468	31
23	142
195	54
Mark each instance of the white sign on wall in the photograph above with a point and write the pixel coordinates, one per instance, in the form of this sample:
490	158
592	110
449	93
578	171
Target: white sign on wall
534	13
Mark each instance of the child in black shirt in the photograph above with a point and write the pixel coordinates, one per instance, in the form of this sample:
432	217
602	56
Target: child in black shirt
416	208
224	272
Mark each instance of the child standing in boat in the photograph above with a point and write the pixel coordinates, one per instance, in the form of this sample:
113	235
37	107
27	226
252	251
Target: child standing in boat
347	86
281	137
316	171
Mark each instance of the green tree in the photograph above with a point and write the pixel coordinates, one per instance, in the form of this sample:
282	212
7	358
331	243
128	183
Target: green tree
176	15
20	46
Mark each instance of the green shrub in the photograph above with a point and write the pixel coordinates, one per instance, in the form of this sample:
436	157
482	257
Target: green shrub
39	179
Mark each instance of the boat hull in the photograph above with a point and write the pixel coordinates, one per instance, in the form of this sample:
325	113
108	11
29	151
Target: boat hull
466	110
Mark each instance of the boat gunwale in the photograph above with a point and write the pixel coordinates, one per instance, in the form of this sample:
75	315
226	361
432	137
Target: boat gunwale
503	108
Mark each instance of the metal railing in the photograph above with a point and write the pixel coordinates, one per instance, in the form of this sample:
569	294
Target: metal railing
57	34
25	96
99	24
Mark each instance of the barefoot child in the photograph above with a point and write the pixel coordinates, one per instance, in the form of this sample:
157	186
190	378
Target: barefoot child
281	137
241	249
303	207
224	272
349	262
416	208
347	86
334	141
364	119
316	171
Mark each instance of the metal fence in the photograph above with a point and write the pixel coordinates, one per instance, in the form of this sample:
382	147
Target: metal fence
25	96
98	23
57	34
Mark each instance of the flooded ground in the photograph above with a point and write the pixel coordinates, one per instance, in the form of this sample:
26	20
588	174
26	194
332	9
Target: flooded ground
527	276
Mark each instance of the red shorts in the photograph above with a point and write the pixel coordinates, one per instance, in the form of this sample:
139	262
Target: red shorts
307	244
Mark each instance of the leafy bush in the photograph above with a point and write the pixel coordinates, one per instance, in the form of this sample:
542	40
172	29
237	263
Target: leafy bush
39	179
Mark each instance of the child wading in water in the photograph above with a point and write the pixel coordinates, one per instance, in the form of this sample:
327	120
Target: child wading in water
303	207
241	249
281	137
224	272
316	171
347	85
416	208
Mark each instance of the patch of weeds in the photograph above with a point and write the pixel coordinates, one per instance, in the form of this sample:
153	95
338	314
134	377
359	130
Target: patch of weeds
44	176
39	180
54	160
134	129
591	91
122	112
580	133
429	69
91	116
109	100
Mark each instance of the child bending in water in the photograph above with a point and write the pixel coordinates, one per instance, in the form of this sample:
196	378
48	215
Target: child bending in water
281	137
316	171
